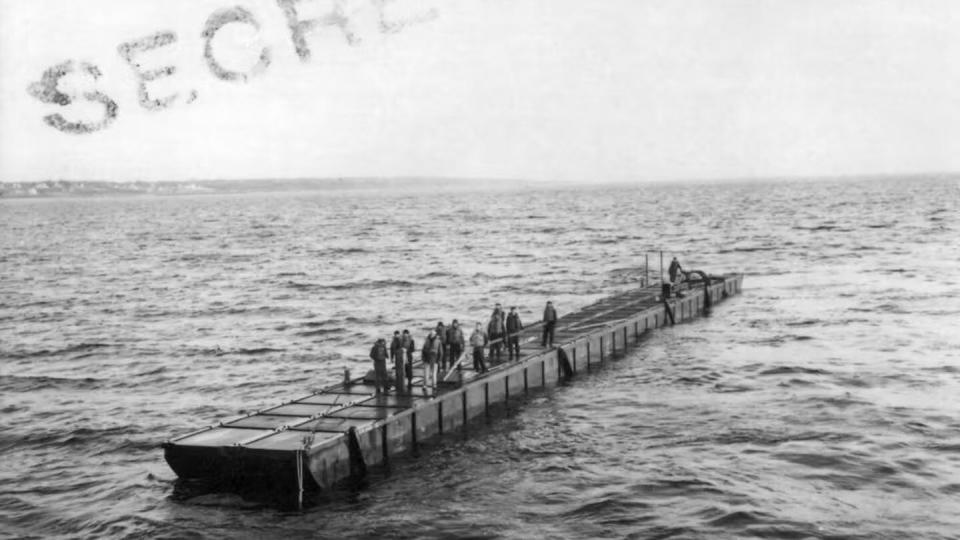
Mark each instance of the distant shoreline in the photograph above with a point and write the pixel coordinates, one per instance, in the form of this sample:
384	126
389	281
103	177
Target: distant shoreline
96	188
80	188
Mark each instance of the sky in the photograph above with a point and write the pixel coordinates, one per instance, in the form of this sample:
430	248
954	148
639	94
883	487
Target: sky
551	90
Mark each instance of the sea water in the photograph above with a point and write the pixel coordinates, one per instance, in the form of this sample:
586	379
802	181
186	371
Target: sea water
823	402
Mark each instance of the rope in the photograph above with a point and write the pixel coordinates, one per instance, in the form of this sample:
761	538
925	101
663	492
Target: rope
300	478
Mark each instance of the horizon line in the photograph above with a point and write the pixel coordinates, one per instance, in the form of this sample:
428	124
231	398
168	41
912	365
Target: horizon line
504	179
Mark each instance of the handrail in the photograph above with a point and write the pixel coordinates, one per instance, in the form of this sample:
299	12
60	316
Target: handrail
503	339
453	368
463	355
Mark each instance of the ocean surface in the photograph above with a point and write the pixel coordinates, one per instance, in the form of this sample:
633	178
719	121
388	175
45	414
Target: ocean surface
823	402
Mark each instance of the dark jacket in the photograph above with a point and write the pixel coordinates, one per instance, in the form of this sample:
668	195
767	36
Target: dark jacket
407	344
455	336
674	269
495	328
549	314
441	332
379	352
513	323
396	346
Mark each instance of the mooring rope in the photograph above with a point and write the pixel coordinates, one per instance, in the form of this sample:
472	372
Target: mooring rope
300	478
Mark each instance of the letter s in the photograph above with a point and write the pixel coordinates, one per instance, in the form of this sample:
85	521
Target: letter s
47	91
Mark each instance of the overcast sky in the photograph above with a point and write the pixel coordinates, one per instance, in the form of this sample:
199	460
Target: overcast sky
531	89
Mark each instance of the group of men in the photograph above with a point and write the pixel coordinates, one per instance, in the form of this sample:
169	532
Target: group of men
445	345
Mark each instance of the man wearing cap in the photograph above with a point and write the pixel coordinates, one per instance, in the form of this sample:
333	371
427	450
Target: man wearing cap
513	333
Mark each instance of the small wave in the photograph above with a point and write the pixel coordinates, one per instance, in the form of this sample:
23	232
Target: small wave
944	447
855	382
253	352
376	284
721	388
193	258
815	461
39	303
805	322
317	324
838	401
882	308
302	286
790	370
736	519
779	340
15	383
815	228
748	249
706	378
321	332
676	488
81	437
347	251
605	507
86	348
764	437
796	382
433	275
135	526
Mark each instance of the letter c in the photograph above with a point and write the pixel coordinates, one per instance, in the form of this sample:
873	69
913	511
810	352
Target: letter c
218	20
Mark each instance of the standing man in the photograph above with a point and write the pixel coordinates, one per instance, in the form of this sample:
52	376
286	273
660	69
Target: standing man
478	340
549	323
674	269
430	355
513	329
379	355
407	347
397	354
676	272
442	338
496	331
455	342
